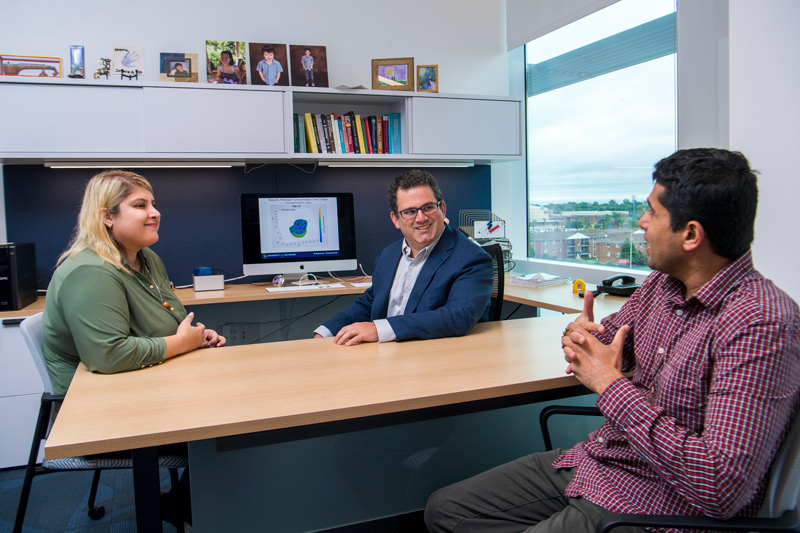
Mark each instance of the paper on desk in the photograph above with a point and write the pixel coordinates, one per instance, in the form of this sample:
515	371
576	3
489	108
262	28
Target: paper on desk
539	279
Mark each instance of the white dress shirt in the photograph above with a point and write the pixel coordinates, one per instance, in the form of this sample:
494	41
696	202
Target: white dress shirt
408	269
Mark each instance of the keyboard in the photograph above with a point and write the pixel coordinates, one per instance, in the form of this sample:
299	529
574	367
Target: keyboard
309	287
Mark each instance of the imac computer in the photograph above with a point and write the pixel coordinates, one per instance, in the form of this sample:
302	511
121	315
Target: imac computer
298	233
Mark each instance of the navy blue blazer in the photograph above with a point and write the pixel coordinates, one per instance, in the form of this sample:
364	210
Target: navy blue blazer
451	294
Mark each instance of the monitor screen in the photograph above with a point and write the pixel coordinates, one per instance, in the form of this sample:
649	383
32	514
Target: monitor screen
298	233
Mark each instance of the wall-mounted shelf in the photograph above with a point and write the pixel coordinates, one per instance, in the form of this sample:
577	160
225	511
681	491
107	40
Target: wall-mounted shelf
102	120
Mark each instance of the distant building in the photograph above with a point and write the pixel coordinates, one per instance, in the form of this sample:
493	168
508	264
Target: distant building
603	245
544	219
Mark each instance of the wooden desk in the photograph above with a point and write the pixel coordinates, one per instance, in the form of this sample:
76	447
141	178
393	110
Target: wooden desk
560	298
208	394
243	292
244	389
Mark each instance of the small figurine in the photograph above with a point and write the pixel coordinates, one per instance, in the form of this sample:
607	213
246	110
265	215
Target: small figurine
578	286
104	71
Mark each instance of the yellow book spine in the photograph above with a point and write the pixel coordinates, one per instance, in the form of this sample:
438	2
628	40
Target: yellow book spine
311	142
360	131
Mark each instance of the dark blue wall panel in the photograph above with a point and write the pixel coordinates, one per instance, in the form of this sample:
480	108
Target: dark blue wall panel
200	208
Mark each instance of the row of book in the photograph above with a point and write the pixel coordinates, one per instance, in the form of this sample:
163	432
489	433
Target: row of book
347	134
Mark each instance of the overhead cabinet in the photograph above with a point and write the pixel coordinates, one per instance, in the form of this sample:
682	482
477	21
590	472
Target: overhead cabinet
100	120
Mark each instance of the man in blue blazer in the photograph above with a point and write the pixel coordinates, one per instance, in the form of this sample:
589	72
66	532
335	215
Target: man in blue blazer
432	283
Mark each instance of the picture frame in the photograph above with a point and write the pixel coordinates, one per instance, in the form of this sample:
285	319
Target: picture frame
396	74
318	75
279	57
178	67
237	55
428	78
30	66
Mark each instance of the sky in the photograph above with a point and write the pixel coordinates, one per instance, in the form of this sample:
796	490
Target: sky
598	140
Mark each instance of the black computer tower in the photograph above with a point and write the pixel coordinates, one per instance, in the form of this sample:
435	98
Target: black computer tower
17	275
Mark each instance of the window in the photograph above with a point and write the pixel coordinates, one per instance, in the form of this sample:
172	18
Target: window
601	111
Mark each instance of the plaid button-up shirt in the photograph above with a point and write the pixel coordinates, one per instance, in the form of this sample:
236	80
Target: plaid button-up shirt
715	385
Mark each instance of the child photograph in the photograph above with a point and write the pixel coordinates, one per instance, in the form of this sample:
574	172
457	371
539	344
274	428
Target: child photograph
309	65
268	65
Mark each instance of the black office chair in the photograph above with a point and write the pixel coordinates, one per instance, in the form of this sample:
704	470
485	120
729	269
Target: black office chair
496	303
31	329
779	512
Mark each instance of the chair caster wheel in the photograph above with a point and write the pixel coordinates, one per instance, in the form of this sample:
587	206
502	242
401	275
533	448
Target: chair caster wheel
97	513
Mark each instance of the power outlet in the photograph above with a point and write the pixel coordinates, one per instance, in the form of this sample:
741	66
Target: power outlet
237	334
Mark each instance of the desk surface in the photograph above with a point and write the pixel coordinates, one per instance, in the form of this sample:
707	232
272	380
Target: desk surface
243	292
560	298
244	389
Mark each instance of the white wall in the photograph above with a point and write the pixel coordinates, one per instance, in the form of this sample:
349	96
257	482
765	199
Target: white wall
765	125
466	38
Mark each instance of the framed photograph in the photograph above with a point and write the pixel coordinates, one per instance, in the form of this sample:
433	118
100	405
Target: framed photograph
178	67
268	64
309	65
226	62
428	78
33	66
393	74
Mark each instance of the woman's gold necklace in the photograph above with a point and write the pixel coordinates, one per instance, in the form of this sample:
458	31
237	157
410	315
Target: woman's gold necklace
149	277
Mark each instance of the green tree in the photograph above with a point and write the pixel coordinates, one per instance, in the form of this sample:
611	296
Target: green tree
637	257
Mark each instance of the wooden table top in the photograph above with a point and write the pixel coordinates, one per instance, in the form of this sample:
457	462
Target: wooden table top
237	390
560	298
242	292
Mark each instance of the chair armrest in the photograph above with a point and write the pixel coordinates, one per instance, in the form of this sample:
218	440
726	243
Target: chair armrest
551	410
786	522
48	398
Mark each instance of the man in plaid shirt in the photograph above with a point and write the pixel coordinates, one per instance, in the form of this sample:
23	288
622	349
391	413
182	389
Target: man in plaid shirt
715	351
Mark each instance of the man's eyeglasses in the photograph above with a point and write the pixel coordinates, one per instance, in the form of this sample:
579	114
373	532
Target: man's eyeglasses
427	210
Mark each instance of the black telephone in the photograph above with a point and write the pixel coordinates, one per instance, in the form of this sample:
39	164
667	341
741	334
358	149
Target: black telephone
625	287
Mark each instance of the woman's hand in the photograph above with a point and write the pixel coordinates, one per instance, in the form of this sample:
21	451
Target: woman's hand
187	338
213	340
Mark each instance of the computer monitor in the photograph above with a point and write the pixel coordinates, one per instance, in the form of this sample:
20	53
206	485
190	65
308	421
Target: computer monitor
298	233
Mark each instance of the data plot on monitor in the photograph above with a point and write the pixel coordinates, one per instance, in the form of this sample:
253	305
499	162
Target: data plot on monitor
299	225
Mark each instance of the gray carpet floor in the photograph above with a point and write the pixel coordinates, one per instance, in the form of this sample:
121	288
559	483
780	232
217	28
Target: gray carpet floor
58	504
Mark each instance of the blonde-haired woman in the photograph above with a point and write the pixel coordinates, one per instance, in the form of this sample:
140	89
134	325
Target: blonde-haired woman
109	303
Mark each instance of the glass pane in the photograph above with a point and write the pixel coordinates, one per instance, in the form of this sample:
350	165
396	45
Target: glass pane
591	150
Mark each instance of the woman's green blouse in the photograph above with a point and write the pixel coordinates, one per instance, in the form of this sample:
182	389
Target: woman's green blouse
110	320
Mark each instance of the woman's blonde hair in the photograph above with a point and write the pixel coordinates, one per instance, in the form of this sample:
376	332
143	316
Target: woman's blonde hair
104	193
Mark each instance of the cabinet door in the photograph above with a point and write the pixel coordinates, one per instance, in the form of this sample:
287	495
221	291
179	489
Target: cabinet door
18	419
57	119
213	121
463	126
20	394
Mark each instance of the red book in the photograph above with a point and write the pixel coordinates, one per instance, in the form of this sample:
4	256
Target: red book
348	133
385	137
379	135
368	135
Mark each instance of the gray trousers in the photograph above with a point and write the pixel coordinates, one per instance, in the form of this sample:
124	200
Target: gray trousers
523	495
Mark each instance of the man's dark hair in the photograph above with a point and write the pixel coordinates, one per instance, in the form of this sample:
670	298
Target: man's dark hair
716	188
410	180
